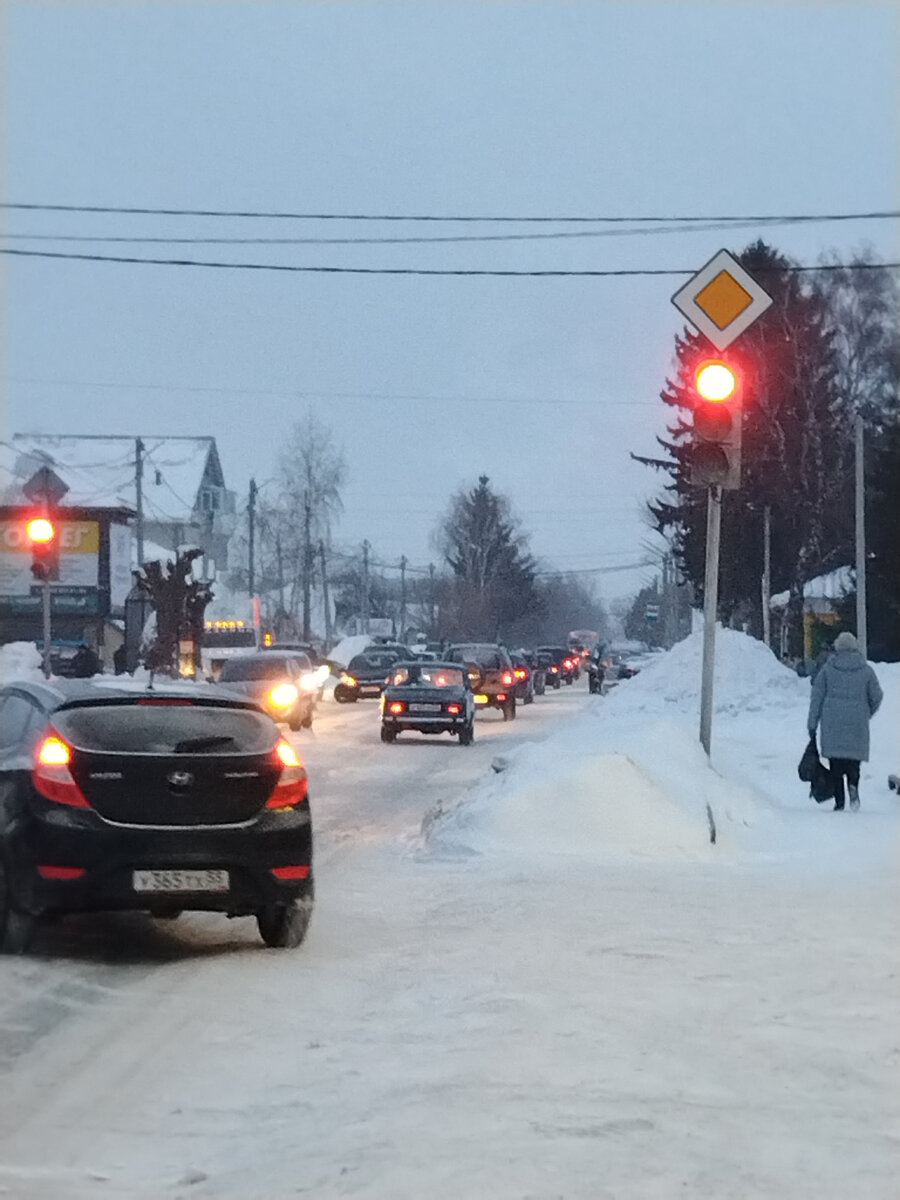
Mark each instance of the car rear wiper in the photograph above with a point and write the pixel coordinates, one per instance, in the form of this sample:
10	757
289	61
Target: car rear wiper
202	743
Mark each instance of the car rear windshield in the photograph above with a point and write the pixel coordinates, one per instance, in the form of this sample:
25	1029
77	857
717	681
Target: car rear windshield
488	657
164	727
373	662
428	676
239	669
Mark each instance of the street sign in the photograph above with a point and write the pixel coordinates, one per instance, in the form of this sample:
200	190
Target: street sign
652	613
45	486
722	300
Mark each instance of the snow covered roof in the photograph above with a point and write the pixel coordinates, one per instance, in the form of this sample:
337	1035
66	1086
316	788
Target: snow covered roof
100	471
833	586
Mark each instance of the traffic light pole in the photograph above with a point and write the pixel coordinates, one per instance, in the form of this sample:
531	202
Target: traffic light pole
710	607
45	600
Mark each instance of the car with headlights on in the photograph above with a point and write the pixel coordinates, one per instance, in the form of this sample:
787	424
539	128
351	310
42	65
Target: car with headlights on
367	673
283	684
156	799
428	697
491	674
524	685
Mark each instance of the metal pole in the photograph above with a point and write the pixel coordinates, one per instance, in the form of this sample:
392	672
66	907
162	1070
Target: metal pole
403	562
307	565
251	538
365	596
767	576
45	600
710	607
325	599
139	498
861	621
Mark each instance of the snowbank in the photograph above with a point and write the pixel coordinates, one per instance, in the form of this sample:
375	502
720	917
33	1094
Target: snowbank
20	661
628	776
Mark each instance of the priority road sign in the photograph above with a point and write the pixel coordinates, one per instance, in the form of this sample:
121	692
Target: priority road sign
722	300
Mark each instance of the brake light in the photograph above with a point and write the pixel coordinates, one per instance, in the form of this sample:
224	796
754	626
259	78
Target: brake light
454	708
396	707
292	787
51	775
521	673
507	678
300	871
501	696
567	663
49	872
554	670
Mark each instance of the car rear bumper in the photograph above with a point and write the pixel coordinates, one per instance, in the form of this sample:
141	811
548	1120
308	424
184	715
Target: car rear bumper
422	723
109	854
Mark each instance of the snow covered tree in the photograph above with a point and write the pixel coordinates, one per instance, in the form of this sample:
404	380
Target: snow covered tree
493	572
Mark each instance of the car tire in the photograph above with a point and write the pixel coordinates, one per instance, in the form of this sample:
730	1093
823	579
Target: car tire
467	734
343	696
388	736
509	711
307	721
569	680
556	683
294	723
284	926
529	698
16	928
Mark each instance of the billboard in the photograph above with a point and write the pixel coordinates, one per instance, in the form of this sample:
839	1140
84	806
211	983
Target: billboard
79	567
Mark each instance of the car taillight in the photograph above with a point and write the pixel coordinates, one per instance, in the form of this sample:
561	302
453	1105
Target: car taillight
292	787
567	663
501	696
454	708
51	775
507	679
554	670
396	707
521	673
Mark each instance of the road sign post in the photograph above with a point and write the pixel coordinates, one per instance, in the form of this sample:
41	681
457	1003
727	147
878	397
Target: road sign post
721	301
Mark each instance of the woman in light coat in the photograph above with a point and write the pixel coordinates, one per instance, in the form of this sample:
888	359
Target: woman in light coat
845	695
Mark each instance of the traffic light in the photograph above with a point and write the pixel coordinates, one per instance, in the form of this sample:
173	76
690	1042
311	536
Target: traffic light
716	449
44	537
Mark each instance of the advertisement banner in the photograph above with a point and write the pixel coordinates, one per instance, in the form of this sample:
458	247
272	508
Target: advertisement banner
79	549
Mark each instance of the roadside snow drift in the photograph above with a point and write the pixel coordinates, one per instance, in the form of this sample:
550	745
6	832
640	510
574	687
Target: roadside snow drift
628	776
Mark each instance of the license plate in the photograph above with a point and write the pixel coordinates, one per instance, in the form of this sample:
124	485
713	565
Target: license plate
180	881
425	708
368	687
480	699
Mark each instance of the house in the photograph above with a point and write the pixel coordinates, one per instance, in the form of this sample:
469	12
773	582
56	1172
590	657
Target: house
183	494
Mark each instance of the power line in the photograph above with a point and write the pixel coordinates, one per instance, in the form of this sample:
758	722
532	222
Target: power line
617	231
306	270
431	217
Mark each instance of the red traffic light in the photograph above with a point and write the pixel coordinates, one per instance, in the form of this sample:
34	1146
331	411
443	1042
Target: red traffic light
715	381
41	531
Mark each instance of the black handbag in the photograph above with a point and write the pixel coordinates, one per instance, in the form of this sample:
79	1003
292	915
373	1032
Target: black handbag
813	771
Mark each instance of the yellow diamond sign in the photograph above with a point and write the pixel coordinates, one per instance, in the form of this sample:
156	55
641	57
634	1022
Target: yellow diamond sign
722	300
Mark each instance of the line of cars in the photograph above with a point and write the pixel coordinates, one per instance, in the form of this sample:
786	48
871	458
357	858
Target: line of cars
438	689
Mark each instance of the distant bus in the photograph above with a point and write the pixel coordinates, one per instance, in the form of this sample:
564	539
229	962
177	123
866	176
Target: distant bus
226	639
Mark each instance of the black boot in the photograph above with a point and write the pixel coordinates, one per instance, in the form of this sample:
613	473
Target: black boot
854	797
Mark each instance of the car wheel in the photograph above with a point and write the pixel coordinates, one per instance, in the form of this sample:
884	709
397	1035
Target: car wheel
306	722
467	734
343	696
284	926
529	698
16	928
388	735
569	679
556	684
294	722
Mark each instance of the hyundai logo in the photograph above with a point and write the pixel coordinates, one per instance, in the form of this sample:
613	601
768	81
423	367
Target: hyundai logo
181	779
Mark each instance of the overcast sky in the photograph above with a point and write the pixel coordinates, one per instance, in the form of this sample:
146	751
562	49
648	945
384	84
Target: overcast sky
545	109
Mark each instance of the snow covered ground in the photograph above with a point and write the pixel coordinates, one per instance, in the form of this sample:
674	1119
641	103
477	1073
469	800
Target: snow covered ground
535	983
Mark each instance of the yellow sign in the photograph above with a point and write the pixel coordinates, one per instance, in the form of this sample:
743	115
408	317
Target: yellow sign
723	299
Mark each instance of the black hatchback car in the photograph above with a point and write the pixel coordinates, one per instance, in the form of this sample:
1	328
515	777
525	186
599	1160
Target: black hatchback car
121	797
429	697
284	684
367	672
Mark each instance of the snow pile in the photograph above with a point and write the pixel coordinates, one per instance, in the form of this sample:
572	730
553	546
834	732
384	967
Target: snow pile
748	676
20	661
348	647
628	775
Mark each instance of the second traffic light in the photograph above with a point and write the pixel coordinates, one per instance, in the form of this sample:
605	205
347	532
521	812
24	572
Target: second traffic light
44	537
716	444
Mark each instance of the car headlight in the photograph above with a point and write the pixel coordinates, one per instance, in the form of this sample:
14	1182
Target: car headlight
347	680
308	681
283	696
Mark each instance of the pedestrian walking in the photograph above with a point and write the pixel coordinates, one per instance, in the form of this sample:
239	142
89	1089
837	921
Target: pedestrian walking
845	696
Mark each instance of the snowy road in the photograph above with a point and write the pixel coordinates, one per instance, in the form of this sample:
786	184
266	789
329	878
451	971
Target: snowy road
469	1022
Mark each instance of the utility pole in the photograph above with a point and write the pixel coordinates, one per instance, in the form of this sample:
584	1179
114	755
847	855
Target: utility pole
325	600
307	565
280	575
767	576
251	538
403	562
861	616
139	498
365	595
710	608
431	598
